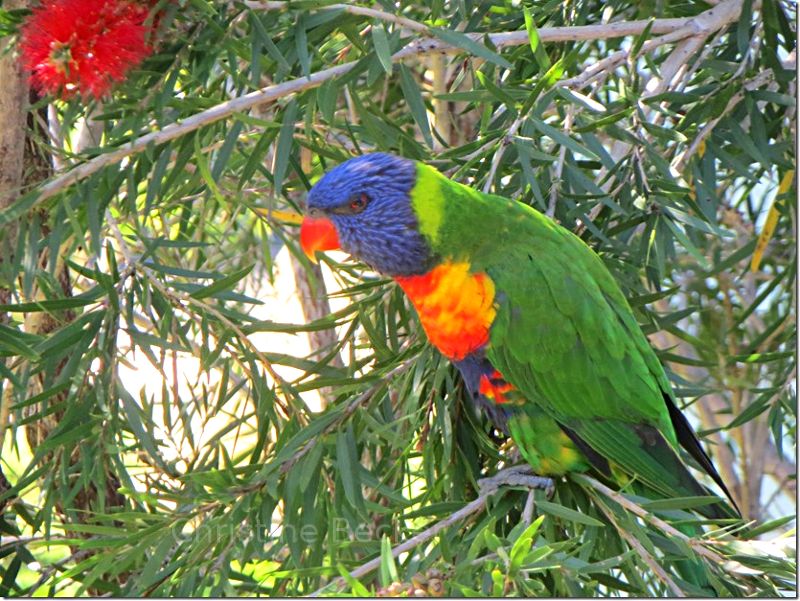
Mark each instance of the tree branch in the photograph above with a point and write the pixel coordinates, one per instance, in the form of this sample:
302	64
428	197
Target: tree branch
697	27
363	11
514	38
659	571
533	482
620	499
673	66
675	30
13	108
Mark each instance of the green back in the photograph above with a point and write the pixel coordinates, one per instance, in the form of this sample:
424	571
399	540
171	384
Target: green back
564	333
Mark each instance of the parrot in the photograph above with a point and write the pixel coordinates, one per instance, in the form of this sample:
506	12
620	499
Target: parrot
540	331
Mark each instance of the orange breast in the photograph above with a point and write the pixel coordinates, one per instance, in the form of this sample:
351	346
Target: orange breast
456	307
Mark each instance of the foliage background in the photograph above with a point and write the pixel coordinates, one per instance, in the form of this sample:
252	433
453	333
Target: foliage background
143	231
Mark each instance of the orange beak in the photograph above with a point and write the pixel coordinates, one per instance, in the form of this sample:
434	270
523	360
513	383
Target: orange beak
318	234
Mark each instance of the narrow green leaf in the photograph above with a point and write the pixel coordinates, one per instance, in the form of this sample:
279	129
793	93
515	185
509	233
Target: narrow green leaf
13	341
497	92
359	590
54	305
640	39
266	41
769	526
347	461
413	96
205	172
388	568
381	42
222	284
679	503
563	139
535	41
465	42
568	514
18	208
283	149
224	153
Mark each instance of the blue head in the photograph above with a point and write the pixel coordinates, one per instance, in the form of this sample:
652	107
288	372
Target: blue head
368	201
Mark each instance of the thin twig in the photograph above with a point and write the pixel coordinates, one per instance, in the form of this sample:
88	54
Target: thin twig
648	516
609	63
555	184
498	154
363	11
527	511
462	514
659	571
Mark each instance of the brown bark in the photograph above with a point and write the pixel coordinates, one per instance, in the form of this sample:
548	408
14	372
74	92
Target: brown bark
13	108
314	301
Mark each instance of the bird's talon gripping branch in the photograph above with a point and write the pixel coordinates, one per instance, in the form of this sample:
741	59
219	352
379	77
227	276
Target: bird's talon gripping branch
519	475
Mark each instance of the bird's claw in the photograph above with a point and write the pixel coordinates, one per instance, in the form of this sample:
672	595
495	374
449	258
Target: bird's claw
519	475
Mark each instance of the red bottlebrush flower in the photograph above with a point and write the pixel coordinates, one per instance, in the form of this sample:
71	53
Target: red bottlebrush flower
84	46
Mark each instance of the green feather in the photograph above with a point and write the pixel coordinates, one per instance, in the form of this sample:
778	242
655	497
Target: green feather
564	335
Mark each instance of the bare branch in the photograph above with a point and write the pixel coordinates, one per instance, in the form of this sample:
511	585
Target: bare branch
648	516
440	107
676	29
697	27
674	65
462	514
555	186
642	552
363	11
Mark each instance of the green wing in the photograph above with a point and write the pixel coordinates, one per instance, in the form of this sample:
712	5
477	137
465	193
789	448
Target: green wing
566	337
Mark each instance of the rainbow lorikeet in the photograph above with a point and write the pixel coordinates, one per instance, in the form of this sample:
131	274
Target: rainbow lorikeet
539	329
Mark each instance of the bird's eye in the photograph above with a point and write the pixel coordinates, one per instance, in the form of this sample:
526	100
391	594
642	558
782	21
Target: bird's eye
358	203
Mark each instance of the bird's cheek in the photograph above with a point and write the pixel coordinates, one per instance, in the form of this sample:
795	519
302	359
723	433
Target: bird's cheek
318	234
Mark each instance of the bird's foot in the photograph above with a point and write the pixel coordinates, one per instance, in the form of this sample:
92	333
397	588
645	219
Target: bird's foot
518	475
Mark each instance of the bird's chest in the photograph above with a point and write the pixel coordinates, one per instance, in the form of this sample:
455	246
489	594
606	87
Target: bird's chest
456	307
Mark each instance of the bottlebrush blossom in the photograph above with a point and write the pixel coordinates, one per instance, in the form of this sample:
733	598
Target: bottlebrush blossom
83	46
